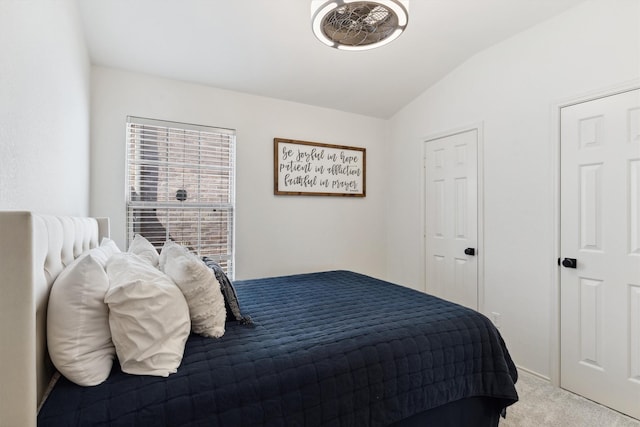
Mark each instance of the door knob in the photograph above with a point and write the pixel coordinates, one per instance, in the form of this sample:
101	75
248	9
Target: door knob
470	251
570	262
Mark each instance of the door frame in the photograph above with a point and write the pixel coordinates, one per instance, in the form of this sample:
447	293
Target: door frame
479	128
555	350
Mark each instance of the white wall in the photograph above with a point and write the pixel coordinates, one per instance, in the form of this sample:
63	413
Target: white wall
44	108
274	234
511	89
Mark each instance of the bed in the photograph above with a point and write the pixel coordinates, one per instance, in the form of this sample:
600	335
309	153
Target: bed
333	348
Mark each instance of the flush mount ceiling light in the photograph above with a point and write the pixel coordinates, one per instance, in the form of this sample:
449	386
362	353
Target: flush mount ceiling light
356	24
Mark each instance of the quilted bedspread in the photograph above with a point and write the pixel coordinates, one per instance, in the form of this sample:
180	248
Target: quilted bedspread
326	349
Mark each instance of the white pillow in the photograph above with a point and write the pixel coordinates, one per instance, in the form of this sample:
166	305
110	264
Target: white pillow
199	286
148	315
144	249
78	335
109	247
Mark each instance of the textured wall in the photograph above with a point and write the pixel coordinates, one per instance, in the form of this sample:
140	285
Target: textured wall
44	108
511	89
274	234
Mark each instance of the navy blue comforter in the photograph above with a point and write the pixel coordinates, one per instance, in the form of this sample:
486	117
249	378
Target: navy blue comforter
326	349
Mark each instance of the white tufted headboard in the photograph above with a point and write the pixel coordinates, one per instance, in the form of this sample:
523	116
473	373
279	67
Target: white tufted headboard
33	251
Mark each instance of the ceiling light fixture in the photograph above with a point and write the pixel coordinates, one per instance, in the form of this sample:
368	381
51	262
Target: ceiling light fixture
357	24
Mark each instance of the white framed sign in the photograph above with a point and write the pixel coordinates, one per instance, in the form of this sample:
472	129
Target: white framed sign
304	168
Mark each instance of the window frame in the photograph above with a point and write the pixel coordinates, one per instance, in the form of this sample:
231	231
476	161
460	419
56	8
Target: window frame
166	165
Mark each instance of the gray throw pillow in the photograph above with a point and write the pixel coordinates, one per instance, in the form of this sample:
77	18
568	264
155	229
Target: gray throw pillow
228	291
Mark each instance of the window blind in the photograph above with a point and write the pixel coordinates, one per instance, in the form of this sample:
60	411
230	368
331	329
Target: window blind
181	186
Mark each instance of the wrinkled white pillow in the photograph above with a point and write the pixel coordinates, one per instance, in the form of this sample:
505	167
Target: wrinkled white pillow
199	286
148	316
144	249
108	247
78	334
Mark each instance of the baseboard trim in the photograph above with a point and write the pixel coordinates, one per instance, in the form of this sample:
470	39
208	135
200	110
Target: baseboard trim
534	373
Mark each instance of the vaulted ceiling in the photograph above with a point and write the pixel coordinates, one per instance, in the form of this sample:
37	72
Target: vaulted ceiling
266	47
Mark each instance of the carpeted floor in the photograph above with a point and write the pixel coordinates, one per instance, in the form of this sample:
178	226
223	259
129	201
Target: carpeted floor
543	405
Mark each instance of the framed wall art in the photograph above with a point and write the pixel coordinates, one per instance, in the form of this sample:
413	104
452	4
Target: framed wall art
303	168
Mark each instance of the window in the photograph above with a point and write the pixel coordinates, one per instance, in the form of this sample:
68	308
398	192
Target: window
181	186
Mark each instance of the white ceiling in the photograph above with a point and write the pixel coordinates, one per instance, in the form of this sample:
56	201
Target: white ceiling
266	47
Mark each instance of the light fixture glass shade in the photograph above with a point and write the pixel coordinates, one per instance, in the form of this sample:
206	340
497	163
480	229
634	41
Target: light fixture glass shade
358	24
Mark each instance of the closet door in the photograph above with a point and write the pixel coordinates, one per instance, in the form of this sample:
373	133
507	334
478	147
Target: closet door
451	217
600	250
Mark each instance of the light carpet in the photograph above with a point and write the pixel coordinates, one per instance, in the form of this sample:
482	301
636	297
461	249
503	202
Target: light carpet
543	405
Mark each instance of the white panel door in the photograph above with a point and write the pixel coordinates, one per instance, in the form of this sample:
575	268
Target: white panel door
600	228
451	217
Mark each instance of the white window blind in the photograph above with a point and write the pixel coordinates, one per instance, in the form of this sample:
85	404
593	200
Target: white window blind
181	186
